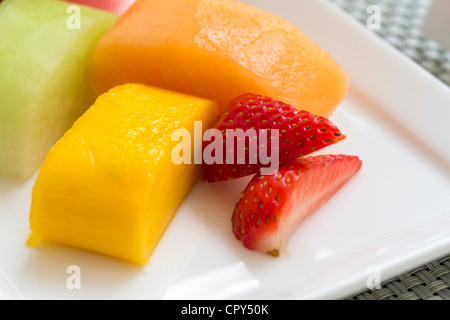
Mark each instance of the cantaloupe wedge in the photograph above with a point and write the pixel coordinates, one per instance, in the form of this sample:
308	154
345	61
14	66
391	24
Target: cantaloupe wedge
110	185
218	49
44	83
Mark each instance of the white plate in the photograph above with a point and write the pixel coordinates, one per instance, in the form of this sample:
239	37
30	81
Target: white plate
394	215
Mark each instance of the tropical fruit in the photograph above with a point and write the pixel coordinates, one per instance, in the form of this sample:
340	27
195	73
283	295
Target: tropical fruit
44	83
111	185
218	49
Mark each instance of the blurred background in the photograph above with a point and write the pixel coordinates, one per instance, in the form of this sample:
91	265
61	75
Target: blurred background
418	28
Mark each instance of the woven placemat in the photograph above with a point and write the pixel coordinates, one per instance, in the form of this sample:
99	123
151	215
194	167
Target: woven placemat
428	282
401	22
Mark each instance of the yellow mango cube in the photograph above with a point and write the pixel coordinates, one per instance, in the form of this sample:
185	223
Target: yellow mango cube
110	185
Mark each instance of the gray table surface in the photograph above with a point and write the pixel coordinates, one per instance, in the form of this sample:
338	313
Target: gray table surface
401	26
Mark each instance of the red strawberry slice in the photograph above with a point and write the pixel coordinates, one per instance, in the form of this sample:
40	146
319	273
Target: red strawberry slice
300	133
272	206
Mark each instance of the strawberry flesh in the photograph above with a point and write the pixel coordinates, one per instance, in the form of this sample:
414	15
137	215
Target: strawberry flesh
272	206
300	134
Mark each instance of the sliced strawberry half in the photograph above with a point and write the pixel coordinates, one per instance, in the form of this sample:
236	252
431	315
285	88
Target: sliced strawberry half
272	206
299	133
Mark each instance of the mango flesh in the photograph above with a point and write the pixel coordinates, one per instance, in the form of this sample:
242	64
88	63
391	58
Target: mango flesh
110	185
218	49
44	83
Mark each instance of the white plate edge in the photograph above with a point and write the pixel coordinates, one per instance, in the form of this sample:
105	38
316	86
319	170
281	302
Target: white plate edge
400	67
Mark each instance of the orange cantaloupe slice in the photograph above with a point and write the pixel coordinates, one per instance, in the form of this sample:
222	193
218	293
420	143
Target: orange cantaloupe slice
218	49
